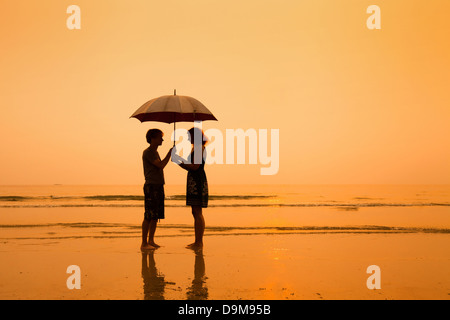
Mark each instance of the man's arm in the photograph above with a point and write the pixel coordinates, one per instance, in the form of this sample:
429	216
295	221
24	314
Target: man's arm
162	163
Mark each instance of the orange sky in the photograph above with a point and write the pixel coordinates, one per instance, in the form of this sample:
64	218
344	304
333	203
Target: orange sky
353	105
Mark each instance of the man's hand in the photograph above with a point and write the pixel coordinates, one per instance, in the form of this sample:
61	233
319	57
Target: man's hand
176	158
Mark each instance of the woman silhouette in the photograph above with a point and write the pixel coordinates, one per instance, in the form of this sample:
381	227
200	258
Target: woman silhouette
197	184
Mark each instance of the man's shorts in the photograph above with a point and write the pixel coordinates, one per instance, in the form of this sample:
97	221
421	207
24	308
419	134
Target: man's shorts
154	201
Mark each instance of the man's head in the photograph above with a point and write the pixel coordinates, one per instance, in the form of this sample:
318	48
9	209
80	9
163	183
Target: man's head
155	136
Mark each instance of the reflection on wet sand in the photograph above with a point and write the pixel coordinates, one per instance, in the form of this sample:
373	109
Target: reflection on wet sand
154	282
198	290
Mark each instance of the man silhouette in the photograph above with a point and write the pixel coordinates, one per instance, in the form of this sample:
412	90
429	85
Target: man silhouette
153	187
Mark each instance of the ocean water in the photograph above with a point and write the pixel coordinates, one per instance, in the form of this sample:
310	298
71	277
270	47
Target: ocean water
339	196
65	212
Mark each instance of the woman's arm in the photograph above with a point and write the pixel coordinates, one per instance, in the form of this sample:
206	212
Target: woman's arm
188	166
182	162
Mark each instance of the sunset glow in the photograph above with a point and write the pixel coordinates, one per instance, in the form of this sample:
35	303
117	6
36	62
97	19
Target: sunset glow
353	105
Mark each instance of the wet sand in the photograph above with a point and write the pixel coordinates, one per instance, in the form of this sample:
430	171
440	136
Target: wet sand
265	263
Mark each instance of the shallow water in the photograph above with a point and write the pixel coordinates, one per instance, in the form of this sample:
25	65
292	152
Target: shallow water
261	242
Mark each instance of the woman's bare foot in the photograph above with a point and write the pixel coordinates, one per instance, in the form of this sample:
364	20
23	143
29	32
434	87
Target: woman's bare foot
195	246
147	247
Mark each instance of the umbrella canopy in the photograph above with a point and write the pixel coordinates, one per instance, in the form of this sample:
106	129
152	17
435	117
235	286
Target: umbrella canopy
173	108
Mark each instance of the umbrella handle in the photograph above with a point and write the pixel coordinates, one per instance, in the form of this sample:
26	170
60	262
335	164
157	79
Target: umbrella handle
174	134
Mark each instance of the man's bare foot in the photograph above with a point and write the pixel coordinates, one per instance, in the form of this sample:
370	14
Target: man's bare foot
195	246
154	245
147	247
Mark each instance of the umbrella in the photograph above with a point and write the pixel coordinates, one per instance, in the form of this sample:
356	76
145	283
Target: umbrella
173	108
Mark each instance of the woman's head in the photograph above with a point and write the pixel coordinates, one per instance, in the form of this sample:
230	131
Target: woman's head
197	132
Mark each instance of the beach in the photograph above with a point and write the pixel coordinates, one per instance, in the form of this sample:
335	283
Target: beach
323	157
251	252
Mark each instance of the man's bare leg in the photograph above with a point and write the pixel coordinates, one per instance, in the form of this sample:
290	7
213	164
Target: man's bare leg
145	230
151	234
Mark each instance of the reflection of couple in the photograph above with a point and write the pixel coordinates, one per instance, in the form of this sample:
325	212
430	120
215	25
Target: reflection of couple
155	283
196	187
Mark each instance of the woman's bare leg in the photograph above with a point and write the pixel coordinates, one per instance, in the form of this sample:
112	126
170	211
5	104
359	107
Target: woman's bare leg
199	226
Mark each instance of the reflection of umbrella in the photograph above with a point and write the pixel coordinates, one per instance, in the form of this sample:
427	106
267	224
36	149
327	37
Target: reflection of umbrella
173	108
